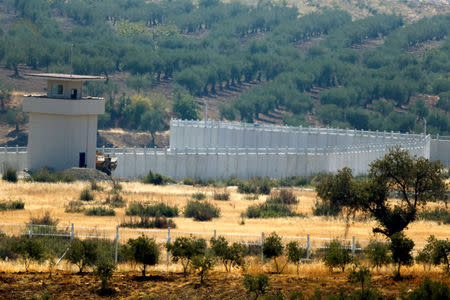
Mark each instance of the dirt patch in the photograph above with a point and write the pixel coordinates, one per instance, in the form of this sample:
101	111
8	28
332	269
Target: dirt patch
86	174
176	286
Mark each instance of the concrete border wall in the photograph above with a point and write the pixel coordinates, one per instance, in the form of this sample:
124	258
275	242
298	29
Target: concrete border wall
212	134
440	150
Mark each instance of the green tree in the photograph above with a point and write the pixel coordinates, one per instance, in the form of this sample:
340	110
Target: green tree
184	249
295	253
184	107
256	284
144	251
230	255
29	250
273	249
401	248
203	264
83	253
104	270
337	256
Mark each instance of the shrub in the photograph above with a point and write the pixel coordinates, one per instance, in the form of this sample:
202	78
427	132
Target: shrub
438	215
256	284
104	270
378	254
157	179
255	186
86	195
295	253
440	255
401	248
6	249
201	211
272	249
99	211
283	196
361	275
325	208
199	196
294	181
202	264
144	251
151	210
47	175
184	249
95	186
269	210
74	206
337	256
28	249
115	200
225	196
10	175
82	253
147	222
230	256
116	186
45	219
429	289
12	205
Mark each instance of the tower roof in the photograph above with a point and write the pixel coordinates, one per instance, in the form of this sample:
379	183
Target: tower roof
60	76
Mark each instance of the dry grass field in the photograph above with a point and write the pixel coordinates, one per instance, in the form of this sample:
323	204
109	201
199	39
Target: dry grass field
166	281
53	197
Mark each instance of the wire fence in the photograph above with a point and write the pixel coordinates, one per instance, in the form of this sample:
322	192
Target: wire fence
119	235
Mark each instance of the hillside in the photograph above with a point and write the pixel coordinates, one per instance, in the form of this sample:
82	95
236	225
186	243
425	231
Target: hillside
322	63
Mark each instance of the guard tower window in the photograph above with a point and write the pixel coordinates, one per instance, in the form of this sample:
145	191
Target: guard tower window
74	94
58	89
82	162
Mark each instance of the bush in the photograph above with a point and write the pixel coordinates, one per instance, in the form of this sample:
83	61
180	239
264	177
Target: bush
378	254
337	256
199	196
272	249
157	179
151	210
6	249
202	264
269	210
147	222
83	253
104	271
144	251
361	275
255	186
438	215
95	186
429	289
440	254
100	211
28	249
10	175
283	196
12	205
86	195
201	211
230	256
45	219
401	248
325	208
115	200
74	206
184	249
47	175
295	253
225	196
256	284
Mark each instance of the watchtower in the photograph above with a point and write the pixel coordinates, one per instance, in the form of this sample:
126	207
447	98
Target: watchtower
63	123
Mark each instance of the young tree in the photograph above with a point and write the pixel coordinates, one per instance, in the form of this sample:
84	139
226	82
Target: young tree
272	249
184	249
104	270
202	264
83	253
230	255
378	254
184	107
295	253
337	256
28	249
401	248
256	284
144	251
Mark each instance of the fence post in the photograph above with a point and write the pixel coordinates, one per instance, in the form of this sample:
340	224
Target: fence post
30	231
308	246
262	244
353	245
168	241
71	232
215	234
116	244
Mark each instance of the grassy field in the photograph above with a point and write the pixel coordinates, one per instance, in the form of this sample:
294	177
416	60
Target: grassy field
53	197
